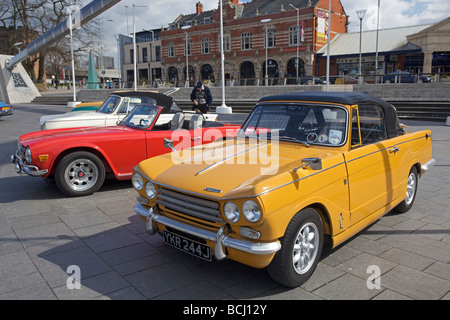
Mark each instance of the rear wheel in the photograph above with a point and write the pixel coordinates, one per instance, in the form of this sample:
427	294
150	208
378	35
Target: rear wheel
79	173
411	191
301	248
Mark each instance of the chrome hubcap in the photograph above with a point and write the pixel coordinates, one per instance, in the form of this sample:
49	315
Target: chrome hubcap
305	248
81	174
411	188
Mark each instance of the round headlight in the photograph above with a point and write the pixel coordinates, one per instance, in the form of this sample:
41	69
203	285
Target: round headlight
28	155
137	181
251	211
231	211
150	190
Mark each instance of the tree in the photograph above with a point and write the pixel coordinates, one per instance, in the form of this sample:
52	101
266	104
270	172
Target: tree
28	19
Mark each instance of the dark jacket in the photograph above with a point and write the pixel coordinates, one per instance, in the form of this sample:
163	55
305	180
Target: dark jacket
208	97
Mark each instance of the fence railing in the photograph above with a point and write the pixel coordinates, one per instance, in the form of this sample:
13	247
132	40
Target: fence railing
307	80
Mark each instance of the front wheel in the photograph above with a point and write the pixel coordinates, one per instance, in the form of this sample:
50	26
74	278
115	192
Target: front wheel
79	173
411	191
301	248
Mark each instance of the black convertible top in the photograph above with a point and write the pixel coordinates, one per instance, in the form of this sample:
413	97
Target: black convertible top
162	100
344	98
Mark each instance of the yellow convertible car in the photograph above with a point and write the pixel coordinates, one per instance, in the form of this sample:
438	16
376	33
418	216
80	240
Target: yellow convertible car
305	168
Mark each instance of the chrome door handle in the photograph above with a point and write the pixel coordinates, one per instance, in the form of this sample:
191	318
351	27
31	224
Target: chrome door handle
393	150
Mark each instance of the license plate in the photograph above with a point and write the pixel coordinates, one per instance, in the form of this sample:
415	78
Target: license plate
190	246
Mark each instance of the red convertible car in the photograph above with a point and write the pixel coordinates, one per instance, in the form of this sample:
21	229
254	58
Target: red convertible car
78	159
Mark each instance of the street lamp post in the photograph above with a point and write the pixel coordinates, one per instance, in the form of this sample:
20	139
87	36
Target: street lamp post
17	45
134	49
267	46
376	45
223	108
360	14
70	10
328	46
187	55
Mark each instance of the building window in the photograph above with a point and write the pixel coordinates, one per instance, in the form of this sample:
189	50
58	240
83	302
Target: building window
144	54
157	53
246	41
189	47
205	46
131	56
293	36
270	38
171	50
207	20
226	43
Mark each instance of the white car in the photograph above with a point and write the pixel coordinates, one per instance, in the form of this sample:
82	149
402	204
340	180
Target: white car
114	109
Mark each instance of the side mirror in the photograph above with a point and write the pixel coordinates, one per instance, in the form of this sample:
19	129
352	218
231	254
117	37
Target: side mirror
313	163
169	144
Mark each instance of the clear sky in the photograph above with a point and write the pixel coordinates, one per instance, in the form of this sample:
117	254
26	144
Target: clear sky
157	13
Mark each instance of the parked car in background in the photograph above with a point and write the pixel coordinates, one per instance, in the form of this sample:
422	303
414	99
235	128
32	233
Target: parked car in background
6	109
405	77
79	159
305	169
309	80
87	106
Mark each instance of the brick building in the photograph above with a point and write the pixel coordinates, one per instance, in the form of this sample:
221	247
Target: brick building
245	27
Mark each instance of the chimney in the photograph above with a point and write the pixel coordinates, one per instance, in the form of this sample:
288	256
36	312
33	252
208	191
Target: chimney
199	7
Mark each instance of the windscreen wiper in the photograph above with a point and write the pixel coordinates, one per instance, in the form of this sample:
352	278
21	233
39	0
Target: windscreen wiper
287	138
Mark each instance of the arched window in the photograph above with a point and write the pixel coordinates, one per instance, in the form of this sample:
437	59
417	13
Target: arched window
247	73
272	69
172	74
207	72
291	70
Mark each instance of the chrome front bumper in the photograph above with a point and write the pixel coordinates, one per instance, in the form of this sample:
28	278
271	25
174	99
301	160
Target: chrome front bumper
28	169
221	239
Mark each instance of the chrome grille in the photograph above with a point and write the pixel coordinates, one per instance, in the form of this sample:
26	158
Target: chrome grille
189	205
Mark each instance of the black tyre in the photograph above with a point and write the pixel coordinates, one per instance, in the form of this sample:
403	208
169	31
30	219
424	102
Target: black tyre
411	192
301	248
79	173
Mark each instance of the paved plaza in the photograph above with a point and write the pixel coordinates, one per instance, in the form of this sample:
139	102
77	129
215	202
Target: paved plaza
44	234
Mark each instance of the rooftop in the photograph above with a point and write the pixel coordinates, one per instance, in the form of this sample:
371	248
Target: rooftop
390	40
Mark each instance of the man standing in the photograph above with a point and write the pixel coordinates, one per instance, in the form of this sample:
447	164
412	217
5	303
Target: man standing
201	97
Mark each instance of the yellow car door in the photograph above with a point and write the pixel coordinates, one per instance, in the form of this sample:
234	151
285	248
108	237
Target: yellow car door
373	163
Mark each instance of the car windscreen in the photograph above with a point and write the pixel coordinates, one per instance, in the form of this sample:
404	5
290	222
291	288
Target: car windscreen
142	116
113	102
308	124
109	105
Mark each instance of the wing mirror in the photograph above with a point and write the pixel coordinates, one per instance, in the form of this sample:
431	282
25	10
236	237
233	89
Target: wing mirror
169	144
313	163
